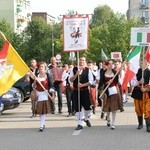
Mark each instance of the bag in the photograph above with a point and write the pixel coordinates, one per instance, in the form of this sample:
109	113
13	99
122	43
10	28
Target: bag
63	89
112	90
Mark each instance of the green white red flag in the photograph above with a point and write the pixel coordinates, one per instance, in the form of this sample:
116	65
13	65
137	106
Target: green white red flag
133	59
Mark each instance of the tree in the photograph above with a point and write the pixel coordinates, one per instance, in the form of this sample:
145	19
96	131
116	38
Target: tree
110	32
37	40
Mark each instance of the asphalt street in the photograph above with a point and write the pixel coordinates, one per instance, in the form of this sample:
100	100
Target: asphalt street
20	132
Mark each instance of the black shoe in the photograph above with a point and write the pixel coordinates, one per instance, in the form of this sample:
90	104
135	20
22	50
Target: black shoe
108	123
68	115
60	112
88	123
52	112
112	127
102	115
41	129
140	126
79	127
93	108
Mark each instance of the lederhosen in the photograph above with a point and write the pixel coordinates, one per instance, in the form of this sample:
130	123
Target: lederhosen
84	92
137	95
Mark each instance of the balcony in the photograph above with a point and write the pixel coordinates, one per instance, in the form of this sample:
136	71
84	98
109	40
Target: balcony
145	20
144	6
19	8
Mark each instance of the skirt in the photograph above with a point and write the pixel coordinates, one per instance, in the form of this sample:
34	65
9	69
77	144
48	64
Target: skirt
42	107
111	103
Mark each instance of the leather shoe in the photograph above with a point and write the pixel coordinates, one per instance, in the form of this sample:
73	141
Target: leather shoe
140	126
79	127
88	123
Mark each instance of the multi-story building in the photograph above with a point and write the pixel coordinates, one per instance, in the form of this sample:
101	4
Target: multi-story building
139	9
48	18
16	12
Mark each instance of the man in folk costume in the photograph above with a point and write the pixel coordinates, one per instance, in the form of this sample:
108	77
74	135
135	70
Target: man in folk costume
85	79
57	77
146	96
30	78
93	87
137	94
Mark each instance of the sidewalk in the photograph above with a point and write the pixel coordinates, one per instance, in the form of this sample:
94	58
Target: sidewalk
20	132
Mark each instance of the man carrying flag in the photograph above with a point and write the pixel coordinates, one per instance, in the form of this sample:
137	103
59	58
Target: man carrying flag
146	92
133	60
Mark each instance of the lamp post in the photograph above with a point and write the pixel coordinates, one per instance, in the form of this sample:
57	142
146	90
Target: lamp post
52	21
52	39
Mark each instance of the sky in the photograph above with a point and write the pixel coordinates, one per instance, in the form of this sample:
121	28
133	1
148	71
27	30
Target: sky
61	7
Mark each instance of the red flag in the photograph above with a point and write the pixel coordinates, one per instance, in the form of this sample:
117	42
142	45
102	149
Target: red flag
147	56
4	52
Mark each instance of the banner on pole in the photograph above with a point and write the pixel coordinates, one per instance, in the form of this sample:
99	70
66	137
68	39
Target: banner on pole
75	33
116	55
140	37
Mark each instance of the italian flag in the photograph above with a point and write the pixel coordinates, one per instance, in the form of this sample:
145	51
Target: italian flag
133	59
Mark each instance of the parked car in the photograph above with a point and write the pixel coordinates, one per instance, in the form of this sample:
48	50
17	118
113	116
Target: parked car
10	100
24	88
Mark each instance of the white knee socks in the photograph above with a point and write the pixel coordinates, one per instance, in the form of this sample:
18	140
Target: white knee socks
42	120
79	116
113	117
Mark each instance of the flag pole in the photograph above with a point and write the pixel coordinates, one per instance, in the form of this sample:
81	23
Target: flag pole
41	85
143	64
110	83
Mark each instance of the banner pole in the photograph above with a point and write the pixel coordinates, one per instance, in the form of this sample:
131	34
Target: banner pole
143	64
78	87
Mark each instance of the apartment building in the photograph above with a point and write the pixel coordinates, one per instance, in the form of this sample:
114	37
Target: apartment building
48	18
16	12
139	9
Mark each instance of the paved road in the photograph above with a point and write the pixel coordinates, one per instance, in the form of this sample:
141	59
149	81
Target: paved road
20	132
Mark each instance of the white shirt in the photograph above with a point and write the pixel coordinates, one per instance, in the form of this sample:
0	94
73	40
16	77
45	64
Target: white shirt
90	76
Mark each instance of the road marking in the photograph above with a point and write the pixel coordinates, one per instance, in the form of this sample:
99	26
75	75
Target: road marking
77	132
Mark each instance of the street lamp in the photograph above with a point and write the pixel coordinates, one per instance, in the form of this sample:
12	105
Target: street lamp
52	20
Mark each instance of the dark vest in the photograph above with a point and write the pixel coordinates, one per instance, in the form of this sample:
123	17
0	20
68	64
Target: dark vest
137	93
83	77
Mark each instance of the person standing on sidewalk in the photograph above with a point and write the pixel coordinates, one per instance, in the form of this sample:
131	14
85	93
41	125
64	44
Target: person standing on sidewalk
43	106
137	94
100	88
81	93
68	88
93	87
29	78
57	78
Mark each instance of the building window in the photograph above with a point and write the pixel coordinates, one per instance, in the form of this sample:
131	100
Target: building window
144	3
145	17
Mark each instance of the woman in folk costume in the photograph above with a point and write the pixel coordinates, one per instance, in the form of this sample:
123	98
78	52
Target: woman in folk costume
112	94
146	96
43	106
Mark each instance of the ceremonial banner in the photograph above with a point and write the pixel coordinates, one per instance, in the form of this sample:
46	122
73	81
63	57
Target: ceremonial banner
75	33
